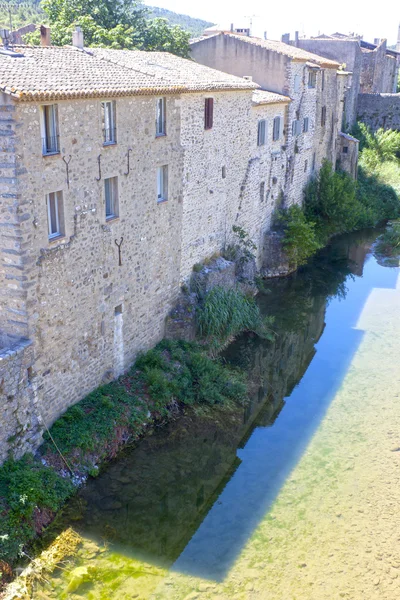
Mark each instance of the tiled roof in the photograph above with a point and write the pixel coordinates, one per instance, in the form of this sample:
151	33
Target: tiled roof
264	97
296	54
54	73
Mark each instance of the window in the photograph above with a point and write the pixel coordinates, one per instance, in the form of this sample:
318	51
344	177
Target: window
262	126
262	191
312	79
50	137
161	117
109	128
276	134
345	149
223	172
305	166
111	197
296	83
305	125
162	183
208	113
323	116
322	79
313	162
55	215
296	128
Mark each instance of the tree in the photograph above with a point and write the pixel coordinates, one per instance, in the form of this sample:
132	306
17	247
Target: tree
106	23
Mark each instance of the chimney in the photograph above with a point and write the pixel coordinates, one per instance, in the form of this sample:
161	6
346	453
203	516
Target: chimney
45	36
77	38
265	35
376	41
286	38
5	36
231	27
296	39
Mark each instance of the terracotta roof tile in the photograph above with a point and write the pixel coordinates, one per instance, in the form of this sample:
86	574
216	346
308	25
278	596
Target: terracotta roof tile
54	73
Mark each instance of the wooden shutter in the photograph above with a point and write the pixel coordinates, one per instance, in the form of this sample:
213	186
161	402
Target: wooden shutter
208	113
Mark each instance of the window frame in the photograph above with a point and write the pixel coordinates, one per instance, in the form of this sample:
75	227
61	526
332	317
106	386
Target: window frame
162	184
109	117
312	79
57	198
208	113
111	185
262	132
49	125
277	131
161	117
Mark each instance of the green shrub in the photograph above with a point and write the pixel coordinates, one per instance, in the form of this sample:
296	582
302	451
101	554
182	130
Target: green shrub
25	486
225	313
299	241
389	242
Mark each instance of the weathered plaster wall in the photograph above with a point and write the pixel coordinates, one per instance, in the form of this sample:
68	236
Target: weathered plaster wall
240	58
379	110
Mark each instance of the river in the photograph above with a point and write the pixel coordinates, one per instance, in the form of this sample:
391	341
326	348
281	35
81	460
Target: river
293	497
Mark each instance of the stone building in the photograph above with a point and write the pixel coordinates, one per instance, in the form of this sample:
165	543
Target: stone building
119	171
314	85
373	68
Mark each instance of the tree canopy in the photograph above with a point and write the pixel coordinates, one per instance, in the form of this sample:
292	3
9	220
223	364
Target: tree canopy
112	24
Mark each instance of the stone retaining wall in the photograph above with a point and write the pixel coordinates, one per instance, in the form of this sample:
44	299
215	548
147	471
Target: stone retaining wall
379	110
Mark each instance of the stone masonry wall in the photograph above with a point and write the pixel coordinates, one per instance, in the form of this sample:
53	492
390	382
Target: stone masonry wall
88	316
379	110
223	172
19	419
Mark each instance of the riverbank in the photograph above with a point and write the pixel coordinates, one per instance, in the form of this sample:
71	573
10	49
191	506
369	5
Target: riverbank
210	506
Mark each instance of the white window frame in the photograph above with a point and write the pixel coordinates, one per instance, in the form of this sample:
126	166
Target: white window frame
312	78
162	183
161	117
108	108
262	132
49	129
277	129
55	216
111	203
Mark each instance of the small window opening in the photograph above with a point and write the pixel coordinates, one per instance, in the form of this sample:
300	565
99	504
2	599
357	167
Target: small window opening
345	149
262	191
118	310
223	172
208	113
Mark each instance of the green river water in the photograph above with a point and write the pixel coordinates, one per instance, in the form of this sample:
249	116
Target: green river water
295	496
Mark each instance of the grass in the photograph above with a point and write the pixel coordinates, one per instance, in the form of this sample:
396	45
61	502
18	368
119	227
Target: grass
28	491
172	375
224	313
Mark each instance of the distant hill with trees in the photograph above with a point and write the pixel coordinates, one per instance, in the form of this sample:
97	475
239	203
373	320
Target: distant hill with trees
195	26
24	12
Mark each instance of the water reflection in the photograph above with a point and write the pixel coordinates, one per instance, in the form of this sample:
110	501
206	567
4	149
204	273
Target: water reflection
191	494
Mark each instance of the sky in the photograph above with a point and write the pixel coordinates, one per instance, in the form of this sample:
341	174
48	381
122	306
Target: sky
309	17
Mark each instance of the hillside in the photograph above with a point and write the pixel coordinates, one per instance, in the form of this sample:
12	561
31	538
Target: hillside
195	26
29	11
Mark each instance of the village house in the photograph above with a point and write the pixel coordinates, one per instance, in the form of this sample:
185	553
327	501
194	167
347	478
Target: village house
119	171
314	84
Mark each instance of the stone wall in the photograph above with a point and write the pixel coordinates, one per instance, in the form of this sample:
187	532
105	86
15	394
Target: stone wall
89	317
19	419
379	110
379	71
349	54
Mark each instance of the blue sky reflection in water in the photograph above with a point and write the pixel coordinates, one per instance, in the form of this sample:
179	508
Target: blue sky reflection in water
271	452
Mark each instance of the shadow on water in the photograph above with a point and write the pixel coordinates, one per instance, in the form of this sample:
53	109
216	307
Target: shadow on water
191	495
